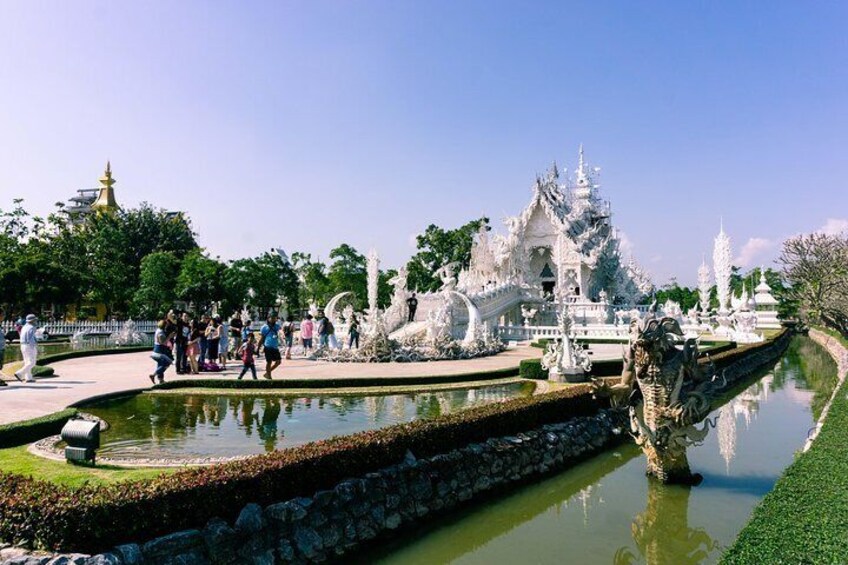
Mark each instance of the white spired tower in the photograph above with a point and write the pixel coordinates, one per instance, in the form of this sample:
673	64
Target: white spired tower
723	268
704	288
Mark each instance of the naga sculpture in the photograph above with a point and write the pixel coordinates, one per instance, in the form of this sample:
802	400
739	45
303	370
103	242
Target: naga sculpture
665	391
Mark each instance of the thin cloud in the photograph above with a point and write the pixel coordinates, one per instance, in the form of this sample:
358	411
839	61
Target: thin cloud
753	250
834	226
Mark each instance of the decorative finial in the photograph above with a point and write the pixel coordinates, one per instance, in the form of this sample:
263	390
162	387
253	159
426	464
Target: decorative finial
580	163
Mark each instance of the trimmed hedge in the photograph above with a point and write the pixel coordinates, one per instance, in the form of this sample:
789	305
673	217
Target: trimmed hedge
284	382
532	369
804	519
39	371
95	518
28	431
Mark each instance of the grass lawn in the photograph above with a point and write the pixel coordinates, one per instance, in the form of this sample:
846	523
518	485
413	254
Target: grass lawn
804	519
19	461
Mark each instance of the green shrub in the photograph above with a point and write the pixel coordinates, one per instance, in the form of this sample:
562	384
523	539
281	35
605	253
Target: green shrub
95	518
532	369
39	371
21	433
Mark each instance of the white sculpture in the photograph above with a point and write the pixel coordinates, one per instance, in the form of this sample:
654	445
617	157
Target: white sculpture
766	304
564	357
704	288
723	269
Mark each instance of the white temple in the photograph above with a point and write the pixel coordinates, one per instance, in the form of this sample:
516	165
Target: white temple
518	271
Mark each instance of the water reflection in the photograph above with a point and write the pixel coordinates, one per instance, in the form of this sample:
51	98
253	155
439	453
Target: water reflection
662	533
606	511
203	425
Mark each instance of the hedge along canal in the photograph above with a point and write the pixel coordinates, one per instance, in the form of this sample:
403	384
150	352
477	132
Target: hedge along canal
606	510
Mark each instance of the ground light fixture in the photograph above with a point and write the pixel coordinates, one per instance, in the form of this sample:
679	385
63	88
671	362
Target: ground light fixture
82	438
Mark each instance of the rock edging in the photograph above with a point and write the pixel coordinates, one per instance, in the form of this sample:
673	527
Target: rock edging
840	354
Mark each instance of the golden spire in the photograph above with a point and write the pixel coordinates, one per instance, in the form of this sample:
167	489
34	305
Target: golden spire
106	198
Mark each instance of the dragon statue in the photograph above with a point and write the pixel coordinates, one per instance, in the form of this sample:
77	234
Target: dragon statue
664	389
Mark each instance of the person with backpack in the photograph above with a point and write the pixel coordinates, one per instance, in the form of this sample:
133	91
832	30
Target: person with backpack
323	335
288	335
271	342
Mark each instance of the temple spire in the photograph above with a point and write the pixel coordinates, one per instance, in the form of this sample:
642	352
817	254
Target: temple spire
106	198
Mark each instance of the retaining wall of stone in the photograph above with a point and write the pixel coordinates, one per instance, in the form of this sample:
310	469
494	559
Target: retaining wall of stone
357	511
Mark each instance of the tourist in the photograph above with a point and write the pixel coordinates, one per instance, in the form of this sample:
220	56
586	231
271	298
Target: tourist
223	349
288	335
193	346
271	342
247	352
213	338
236	327
323	334
353	332
29	349
183	332
2	346
162	341
412	304
332	342
306	329
204	343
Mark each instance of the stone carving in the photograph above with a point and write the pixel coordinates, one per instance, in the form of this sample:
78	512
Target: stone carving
128	335
665	391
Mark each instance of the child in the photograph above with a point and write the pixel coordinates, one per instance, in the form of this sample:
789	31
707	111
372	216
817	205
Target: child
247	350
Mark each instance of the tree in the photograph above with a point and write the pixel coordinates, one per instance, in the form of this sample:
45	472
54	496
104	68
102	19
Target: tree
438	247
314	282
200	280
816	268
348	273
683	295
157	284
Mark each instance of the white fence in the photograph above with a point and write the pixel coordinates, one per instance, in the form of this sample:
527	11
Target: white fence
588	331
70	328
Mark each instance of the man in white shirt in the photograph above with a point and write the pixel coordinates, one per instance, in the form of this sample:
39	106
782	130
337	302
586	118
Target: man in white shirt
29	349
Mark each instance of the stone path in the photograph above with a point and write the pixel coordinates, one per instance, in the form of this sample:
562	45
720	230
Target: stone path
79	379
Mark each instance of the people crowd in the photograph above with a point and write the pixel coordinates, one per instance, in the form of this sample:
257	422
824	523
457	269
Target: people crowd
206	343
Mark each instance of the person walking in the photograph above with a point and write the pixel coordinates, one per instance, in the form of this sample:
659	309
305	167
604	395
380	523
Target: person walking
29	350
162	341
412	304
288	335
307	327
247	352
247	330
236	326
353	332
271	342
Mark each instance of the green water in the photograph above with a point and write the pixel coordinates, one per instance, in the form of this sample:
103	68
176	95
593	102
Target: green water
12	352
606	510
190	426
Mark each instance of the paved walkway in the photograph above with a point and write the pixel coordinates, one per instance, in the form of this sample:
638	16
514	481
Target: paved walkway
79	379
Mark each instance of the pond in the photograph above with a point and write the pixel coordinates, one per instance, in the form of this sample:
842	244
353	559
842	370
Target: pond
199	426
607	511
13	351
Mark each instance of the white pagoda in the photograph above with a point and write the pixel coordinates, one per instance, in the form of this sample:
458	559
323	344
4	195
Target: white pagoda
766	304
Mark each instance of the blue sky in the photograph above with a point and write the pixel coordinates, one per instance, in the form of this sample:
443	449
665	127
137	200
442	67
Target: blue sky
308	124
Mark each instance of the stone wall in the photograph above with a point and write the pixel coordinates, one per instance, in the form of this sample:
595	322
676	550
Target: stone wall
334	522
836	350
359	511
